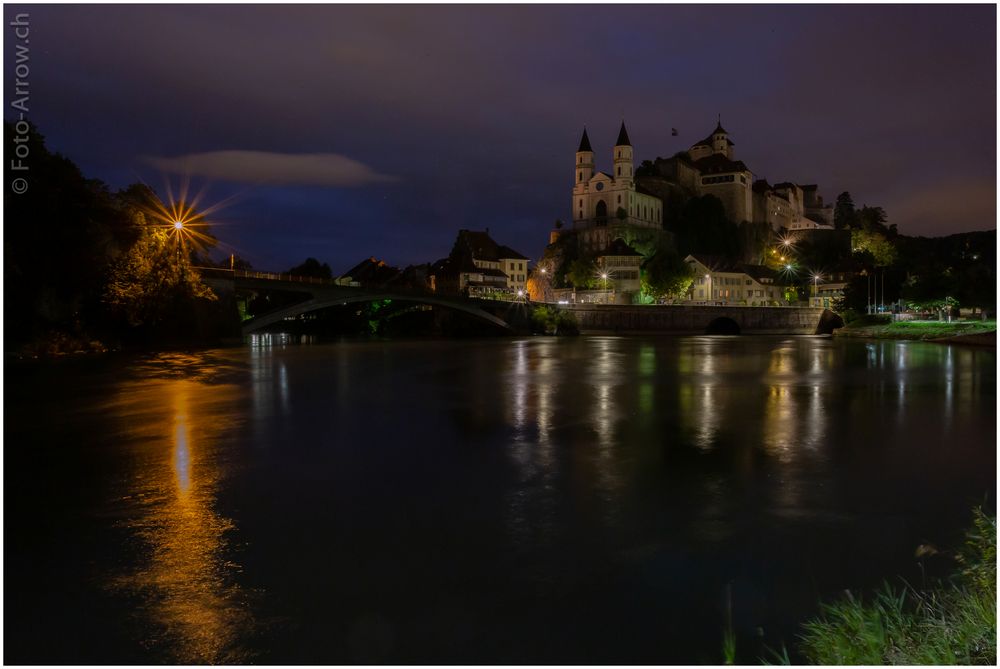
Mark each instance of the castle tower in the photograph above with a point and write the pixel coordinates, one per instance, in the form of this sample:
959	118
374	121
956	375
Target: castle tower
623	157
720	140
584	160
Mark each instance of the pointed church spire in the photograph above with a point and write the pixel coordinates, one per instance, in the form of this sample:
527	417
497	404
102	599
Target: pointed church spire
718	126
623	137
584	142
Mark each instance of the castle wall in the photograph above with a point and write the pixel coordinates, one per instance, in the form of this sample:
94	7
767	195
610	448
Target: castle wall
736	195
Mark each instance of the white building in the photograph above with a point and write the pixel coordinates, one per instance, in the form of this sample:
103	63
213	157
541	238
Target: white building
718	281
602	201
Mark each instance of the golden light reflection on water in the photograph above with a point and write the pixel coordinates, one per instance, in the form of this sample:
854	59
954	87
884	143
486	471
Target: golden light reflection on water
195	612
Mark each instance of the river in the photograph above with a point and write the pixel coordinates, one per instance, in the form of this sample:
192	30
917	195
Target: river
533	500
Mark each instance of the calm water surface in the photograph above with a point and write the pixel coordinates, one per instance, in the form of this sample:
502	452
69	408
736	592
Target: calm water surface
528	500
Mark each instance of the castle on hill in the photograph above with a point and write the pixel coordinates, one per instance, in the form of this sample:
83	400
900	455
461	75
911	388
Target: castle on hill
604	202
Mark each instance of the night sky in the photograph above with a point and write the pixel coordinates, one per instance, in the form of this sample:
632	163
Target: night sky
341	132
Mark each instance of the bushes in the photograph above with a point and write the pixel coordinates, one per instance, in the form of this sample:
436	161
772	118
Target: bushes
552	320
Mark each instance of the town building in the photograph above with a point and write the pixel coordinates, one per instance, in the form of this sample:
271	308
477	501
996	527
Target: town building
479	267
370	272
720	281
828	287
621	263
603	201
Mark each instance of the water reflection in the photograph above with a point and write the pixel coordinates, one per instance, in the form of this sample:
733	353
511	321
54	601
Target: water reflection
795	416
194	612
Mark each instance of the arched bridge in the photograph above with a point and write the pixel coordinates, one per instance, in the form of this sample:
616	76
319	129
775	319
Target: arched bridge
666	319
322	293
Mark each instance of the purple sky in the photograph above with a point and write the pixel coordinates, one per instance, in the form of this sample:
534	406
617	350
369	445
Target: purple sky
348	131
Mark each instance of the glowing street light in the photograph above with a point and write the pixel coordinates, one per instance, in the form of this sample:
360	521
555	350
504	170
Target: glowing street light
178	225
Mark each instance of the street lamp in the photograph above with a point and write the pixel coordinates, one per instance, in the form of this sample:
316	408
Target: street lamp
708	277
178	225
816	277
604	275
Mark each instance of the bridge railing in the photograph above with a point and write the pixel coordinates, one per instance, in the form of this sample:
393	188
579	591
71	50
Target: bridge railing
269	276
408	291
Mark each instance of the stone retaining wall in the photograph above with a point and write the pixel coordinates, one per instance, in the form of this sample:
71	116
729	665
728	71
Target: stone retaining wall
687	319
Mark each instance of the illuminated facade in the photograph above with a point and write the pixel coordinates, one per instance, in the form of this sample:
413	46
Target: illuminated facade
710	167
719	281
603	201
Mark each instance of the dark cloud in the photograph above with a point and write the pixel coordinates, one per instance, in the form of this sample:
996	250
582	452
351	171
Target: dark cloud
264	167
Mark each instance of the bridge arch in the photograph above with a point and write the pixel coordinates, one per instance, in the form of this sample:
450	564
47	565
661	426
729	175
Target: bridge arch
317	303
723	325
829	322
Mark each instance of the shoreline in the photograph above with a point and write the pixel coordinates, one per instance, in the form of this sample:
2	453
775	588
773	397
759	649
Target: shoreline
982	338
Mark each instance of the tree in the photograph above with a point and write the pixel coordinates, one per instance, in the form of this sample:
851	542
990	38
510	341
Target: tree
238	263
844	214
872	219
154	280
704	228
646	169
582	273
755	239
312	268
62	235
874	247
666	274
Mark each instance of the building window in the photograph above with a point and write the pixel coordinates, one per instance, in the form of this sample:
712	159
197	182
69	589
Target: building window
619	170
581	176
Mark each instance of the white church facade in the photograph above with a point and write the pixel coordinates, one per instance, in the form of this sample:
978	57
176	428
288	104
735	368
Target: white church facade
602	201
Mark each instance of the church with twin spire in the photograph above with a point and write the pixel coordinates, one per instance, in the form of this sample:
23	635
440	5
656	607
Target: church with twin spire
603	201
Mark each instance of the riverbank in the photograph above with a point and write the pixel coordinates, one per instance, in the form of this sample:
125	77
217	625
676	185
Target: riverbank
952	622
978	333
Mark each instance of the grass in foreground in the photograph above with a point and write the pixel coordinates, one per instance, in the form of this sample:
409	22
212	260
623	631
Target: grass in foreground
952	624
